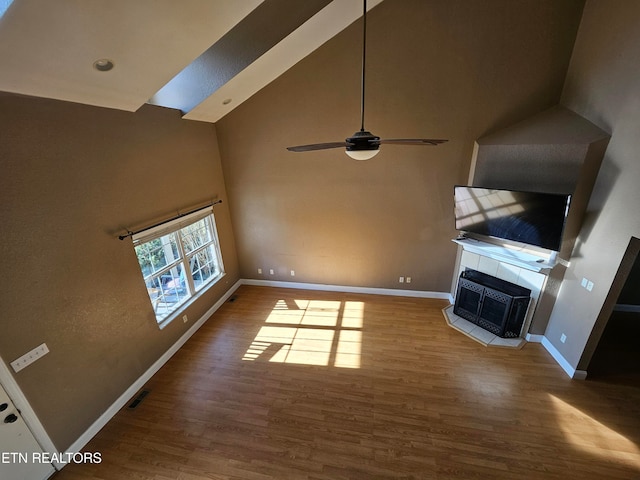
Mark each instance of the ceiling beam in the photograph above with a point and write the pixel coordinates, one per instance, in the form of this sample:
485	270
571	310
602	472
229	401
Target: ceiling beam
257	33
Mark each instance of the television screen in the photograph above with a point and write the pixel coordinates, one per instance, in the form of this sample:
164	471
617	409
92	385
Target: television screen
527	217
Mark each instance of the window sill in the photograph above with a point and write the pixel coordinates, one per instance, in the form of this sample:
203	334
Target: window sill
167	320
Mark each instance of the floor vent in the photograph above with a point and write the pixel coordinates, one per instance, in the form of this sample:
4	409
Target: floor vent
233	298
139	399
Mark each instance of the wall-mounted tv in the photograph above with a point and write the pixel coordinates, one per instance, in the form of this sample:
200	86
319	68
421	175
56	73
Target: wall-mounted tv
532	218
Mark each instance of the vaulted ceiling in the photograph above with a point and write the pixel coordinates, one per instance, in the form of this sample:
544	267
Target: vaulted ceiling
203	57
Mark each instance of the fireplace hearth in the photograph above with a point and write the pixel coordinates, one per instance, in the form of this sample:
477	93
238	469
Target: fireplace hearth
494	304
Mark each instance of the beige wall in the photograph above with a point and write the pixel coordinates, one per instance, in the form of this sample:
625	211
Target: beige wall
556	151
73	177
454	69
602	85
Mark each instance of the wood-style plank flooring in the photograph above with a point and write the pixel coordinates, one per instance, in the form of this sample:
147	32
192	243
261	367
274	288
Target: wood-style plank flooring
291	384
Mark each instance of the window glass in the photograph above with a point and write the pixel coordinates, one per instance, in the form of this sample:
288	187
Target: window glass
178	263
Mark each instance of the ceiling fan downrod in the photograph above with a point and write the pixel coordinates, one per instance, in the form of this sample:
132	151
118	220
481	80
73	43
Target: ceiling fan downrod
364	145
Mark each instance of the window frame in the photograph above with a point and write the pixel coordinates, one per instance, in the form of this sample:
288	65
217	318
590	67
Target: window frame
193	289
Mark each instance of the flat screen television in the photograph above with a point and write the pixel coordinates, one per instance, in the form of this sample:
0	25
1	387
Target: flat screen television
532	218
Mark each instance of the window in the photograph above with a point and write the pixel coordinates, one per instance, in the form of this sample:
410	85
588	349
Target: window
179	260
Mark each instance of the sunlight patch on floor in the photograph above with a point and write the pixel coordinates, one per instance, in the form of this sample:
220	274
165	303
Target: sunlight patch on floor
311	332
349	349
589	435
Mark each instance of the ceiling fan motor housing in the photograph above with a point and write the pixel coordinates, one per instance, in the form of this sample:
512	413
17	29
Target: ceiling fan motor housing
363	145
363	140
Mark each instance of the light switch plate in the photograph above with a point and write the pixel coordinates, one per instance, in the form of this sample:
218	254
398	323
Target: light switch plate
29	357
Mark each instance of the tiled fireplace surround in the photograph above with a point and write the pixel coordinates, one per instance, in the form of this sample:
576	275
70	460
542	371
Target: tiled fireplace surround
535	281
555	151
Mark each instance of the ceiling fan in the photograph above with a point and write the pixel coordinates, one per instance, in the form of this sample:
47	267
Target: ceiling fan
364	145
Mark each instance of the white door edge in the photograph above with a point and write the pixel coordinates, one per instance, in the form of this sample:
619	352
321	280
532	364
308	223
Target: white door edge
20	401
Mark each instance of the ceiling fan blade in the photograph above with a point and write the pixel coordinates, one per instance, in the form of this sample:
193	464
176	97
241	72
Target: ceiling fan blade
363	145
317	146
412	141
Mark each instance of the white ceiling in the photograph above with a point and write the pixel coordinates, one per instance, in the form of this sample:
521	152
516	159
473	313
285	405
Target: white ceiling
47	48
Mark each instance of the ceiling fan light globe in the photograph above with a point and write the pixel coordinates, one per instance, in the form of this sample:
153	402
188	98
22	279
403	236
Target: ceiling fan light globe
362	154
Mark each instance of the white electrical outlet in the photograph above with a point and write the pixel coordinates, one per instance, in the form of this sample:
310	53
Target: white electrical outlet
30	357
185	319
589	285
259	271
408	279
584	282
401	280
563	338
293	273
271	271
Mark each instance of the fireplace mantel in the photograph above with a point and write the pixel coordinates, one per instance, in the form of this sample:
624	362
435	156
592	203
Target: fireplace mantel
519	258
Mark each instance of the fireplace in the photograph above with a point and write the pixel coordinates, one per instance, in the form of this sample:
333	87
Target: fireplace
491	303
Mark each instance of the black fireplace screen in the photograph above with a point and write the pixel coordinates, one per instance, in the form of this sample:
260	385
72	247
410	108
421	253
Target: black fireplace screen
492	303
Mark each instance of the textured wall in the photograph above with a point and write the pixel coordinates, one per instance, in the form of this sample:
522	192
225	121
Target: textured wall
602	86
556	151
454	69
72	178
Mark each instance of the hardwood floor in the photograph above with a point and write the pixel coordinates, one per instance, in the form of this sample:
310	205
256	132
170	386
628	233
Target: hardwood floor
291	384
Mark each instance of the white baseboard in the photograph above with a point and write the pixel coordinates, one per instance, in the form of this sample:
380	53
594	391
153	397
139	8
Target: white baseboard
580	375
534	338
566	366
8	382
138	384
349	289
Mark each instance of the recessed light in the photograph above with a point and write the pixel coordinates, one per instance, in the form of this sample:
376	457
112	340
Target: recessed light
226	102
103	65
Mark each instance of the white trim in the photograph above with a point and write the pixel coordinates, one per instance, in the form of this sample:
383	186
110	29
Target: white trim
580	375
144	378
40	434
26	411
179	311
38	430
172	225
566	366
138	384
622	307
349	289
